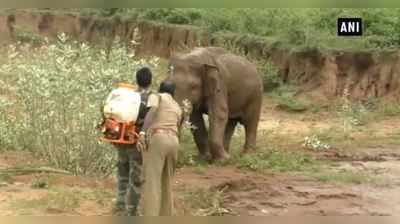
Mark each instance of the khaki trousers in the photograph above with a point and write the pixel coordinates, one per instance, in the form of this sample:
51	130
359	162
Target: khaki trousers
159	168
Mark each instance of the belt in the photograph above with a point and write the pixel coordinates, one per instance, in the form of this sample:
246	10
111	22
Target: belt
162	130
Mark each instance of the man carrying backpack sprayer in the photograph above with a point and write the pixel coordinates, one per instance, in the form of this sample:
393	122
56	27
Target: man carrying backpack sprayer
130	162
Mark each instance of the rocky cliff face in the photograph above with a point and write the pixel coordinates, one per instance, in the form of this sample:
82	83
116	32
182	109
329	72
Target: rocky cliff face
363	74
326	74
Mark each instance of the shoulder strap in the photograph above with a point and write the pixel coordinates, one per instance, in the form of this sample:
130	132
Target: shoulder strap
144	96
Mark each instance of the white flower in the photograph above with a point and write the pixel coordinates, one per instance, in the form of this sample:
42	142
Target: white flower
314	143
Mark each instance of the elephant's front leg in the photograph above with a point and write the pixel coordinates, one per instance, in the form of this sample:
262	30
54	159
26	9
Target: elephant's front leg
200	134
217	135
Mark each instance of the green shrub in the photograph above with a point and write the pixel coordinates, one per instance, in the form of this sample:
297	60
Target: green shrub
391	110
23	36
59	90
304	27
175	16
270	75
188	152
345	176
285	96
295	27
40	183
268	71
291	104
7	129
277	161
352	113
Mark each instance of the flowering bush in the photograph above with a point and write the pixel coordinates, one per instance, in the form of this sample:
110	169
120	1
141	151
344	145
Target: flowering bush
352	114
314	143
57	93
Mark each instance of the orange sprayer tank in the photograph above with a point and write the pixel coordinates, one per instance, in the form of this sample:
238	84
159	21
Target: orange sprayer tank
121	110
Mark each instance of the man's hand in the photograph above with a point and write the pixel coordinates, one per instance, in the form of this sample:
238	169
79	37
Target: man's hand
142	145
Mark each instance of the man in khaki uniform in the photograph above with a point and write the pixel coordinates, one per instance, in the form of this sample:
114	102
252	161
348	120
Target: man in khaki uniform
162	124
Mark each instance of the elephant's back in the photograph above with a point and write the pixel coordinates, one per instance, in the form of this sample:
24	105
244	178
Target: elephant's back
241	73
244	84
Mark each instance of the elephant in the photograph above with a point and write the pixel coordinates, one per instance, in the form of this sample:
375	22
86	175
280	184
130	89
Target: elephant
225	86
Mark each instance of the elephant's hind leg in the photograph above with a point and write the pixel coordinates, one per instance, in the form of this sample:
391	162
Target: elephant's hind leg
250	123
229	130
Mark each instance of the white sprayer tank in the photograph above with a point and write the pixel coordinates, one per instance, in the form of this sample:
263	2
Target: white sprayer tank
122	104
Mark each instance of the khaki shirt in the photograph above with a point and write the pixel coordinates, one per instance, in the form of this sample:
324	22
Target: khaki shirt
168	114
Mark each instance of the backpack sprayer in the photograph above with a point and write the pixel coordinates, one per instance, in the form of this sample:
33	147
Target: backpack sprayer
121	110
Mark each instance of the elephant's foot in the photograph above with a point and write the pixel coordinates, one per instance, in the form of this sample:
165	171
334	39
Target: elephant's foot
221	157
248	150
203	157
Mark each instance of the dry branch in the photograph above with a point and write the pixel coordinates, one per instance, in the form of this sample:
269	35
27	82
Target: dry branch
29	170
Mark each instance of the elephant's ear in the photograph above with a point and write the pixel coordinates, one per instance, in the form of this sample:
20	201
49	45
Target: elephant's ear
215	89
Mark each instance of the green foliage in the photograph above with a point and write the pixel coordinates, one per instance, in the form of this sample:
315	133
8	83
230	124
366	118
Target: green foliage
277	161
314	143
343	176
187	155
391	110
186	152
295	27
6	178
59	89
175	16
291	104
308	27
270	76
23	36
40	183
62	200
286	100
352	114
56	200
355	114
268	71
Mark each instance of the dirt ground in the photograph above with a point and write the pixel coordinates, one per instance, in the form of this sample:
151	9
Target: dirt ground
241	192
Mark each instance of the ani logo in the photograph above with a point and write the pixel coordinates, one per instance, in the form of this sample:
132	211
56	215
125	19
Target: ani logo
349	27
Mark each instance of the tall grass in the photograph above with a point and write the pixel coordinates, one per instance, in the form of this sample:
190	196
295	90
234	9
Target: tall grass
54	98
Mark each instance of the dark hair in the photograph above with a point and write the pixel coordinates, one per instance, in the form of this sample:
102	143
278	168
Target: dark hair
144	77
167	87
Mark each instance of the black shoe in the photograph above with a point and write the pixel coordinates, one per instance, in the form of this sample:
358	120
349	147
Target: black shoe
131	210
131	213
